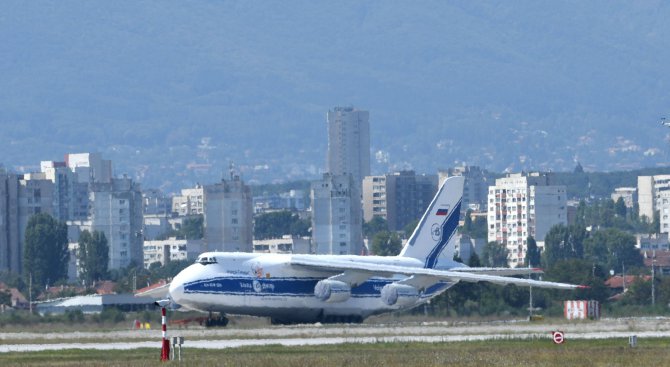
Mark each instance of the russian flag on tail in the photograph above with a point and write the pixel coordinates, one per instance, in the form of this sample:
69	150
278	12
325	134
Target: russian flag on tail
442	212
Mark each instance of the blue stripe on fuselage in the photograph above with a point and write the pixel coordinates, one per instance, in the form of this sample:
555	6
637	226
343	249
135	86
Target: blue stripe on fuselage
289	287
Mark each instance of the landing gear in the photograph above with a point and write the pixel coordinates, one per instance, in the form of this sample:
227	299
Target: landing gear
219	321
342	319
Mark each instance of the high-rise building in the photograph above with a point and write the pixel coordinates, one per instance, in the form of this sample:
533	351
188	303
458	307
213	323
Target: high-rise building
228	216
70	194
90	167
653	194
116	210
400	197
348	143
336	216
475	188
523	205
10	250
21	197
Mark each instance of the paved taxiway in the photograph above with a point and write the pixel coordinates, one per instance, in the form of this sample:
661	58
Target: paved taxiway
337	334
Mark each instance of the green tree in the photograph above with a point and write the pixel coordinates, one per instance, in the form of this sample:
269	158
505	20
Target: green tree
494	255
192	228
277	224
386	244
474	261
612	248
474	228
93	256
375	225
167	271
562	243
5	297
533	254
45	253
655	226
638	293
620	208
579	271
410	227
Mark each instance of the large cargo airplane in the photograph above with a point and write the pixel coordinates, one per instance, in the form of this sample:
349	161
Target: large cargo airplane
291	288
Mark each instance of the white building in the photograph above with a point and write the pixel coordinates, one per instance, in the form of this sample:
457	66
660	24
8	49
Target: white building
522	205
291	200
286	245
349	143
190	202
654	196
655	241
628	194
228	216
171	249
336	216
663	205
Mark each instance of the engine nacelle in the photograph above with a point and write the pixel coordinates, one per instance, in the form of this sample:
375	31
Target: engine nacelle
328	290
400	294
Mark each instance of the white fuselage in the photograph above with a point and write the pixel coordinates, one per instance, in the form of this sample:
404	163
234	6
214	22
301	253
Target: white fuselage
267	285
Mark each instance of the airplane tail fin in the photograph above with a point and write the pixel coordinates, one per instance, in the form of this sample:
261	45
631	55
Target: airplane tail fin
438	225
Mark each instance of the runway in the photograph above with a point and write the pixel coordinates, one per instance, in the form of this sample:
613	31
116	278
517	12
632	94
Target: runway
433	332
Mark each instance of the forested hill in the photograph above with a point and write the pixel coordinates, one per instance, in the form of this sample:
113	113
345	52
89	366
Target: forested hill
175	91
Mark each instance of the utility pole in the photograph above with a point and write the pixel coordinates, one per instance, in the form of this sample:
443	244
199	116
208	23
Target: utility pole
653	278
30	293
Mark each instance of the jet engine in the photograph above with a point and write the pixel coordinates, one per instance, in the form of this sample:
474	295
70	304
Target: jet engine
400	294
328	290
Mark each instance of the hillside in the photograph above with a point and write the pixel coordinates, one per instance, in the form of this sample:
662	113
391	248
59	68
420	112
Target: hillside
175	91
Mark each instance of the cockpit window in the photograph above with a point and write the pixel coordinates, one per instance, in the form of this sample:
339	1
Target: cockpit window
206	260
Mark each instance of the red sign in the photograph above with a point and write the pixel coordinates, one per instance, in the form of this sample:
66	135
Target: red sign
558	337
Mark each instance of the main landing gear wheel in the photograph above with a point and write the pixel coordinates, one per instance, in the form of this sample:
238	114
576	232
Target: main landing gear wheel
219	321
342	319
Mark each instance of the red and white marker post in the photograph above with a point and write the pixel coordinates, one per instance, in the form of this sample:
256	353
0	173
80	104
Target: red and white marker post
165	350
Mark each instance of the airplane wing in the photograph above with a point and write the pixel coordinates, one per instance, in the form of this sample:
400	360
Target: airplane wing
158	292
371	269
499	271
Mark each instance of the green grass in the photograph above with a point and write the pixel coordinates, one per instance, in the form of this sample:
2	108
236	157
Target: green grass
611	352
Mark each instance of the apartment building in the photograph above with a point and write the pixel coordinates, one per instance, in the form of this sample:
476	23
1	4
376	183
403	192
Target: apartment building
336	216
399	197
522	205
